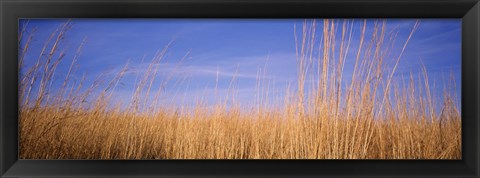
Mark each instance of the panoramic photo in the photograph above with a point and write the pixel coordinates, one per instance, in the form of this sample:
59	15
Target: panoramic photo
239	89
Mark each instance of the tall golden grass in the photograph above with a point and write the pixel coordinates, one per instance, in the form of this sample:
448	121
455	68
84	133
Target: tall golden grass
369	116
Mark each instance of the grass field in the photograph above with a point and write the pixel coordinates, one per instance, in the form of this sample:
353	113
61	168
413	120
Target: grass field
373	115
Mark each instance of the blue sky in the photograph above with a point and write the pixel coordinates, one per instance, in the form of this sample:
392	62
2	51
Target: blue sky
228	47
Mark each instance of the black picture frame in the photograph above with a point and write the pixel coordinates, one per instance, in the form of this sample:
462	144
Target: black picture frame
467	10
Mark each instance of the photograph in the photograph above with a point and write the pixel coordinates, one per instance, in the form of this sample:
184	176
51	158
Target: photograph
239	89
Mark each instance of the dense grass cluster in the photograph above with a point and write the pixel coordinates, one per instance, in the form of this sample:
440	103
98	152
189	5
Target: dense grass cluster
369	116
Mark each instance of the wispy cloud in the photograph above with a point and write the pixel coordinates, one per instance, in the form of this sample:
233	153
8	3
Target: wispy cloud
191	71
239	67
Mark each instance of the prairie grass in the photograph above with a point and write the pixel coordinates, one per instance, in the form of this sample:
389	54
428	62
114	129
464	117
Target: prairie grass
370	115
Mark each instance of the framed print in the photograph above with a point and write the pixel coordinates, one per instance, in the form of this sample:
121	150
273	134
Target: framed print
240	88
